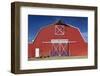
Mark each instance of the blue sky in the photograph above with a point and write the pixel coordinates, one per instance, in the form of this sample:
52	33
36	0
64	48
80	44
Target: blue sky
35	22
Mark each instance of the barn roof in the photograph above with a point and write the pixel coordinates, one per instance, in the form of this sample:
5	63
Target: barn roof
60	22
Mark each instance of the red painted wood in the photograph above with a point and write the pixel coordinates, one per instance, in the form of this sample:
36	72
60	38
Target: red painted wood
80	48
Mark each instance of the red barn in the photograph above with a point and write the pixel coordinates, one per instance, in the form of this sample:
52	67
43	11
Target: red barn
58	39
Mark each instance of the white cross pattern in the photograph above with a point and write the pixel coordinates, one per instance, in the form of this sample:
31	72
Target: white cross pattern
59	30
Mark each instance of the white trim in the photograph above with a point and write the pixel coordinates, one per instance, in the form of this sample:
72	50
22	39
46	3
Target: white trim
59	42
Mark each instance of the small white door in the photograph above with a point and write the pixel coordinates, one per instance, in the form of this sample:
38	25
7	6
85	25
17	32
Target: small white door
37	52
